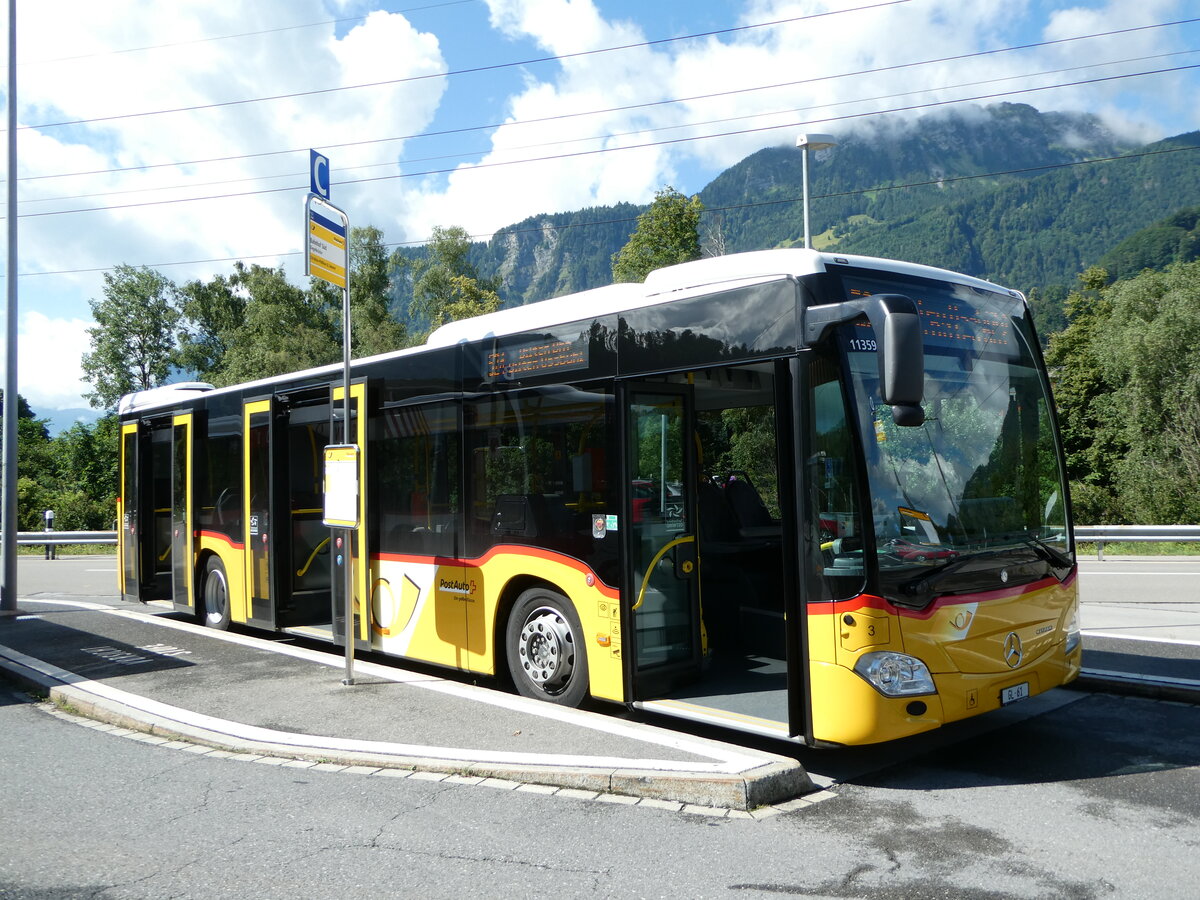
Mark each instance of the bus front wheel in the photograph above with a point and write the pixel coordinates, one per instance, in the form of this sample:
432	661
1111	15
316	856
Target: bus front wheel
216	595
546	656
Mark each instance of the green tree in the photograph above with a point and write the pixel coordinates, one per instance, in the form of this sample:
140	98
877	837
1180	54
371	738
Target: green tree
1127	384
446	285
285	328
1150	355
134	337
373	328
35	473
1091	440
213	313
73	473
667	233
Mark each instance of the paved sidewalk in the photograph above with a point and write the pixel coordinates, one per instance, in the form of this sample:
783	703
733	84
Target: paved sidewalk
154	673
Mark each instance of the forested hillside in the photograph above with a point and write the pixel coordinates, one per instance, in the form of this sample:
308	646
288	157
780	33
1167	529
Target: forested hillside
1174	239
1024	198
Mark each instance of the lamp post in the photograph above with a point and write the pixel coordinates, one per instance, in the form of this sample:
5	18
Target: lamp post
808	142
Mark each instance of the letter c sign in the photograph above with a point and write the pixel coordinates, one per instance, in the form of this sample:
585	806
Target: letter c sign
319	174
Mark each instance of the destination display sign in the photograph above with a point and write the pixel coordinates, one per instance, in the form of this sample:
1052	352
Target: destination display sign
536	357
952	315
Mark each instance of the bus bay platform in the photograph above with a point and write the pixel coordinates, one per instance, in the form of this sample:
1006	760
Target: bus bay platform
159	674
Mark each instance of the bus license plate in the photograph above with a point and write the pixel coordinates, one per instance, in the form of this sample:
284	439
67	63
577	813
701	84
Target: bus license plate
1014	693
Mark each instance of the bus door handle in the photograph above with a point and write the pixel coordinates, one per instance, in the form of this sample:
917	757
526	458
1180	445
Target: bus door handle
685	563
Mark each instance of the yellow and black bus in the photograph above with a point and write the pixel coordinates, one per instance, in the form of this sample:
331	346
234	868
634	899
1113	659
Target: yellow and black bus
810	496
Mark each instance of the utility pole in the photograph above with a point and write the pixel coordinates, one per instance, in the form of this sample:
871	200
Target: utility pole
8	530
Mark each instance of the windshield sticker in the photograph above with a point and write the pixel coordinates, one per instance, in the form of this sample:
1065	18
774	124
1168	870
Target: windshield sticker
920	522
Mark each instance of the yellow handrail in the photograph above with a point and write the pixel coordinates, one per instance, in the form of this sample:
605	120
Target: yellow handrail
686	539
312	556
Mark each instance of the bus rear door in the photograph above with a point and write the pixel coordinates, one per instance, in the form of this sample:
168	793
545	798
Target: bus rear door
134	457
259	497
182	557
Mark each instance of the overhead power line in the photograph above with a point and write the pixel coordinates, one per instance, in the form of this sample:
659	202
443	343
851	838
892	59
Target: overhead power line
627	108
641	146
468	71
609	135
542	226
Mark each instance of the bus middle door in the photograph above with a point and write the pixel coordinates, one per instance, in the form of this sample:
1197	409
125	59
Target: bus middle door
662	602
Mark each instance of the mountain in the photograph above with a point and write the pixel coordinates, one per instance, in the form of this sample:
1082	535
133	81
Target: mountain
1021	197
1174	239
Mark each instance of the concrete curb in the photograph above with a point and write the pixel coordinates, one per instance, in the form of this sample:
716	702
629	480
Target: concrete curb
770	783
1181	690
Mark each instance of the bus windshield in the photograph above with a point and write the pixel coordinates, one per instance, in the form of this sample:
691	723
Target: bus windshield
974	498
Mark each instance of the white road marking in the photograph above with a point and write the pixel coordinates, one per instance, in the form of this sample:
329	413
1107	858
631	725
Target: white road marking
1138	637
1175	574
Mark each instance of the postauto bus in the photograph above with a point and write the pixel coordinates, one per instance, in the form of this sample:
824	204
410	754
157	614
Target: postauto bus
810	496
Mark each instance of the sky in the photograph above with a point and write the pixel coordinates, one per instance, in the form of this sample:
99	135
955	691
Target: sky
177	135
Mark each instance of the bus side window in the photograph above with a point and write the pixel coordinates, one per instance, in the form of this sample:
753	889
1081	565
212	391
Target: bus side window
415	452
834	561
539	472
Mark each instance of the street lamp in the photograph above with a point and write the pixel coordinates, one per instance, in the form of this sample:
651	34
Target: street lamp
808	142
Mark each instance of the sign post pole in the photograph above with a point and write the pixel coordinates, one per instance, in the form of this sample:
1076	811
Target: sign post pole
327	257
347	438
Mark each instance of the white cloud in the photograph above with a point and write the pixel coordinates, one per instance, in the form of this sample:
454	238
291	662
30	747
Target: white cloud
71	72
382	48
49	374
357	128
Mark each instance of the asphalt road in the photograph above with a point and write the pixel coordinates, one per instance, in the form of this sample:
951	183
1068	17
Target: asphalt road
1098	799
1067	795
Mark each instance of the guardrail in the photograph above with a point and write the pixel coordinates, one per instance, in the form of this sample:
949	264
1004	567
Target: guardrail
1101	534
55	538
1089	534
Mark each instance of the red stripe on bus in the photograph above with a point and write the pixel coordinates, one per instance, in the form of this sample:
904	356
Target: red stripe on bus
508	550
224	538
870	601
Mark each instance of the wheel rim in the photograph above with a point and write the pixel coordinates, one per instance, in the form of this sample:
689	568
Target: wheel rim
547	650
216	596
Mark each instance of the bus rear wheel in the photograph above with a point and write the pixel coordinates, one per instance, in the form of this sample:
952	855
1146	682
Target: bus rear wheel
546	656
216	595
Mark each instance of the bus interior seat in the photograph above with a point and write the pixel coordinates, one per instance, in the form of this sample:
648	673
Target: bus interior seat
747	504
531	516
740	554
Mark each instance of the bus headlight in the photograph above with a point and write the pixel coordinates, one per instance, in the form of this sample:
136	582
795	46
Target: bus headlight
1073	634
895	674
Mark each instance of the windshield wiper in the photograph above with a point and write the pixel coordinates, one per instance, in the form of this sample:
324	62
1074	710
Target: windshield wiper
1051	554
927	582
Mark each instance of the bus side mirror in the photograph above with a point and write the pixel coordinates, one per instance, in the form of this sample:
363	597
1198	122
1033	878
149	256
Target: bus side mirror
901	353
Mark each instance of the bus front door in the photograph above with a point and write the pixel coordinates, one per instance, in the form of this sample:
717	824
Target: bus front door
662	601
